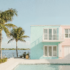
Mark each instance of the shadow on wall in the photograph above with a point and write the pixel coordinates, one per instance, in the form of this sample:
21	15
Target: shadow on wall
36	49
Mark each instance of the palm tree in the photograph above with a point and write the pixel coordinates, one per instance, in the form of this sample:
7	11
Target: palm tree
17	34
4	18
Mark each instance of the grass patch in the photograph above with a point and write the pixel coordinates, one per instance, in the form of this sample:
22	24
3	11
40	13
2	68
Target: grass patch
3	60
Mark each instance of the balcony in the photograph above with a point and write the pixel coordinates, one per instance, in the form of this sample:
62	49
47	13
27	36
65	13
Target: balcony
53	38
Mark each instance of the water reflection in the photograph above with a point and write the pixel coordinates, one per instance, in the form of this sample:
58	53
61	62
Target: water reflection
64	67
42	67
12	53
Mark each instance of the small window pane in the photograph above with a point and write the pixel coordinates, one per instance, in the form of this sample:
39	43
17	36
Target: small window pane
50	37
66	31
45	30
66	35
54	37
45	37
69	35
50	31
45	50
54	31
50	34
69	31
50	50
54	50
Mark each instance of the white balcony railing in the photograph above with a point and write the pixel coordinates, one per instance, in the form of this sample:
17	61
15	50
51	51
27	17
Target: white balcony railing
53	37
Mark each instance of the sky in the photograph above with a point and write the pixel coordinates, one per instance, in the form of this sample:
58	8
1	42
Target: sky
35	12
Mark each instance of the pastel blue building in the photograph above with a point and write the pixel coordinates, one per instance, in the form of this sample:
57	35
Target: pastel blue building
45	41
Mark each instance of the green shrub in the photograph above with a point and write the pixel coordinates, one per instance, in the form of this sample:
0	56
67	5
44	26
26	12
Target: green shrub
3	60
0	61
20	56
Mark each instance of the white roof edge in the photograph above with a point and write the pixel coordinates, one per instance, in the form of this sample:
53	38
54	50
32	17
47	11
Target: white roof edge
50	25
45	25
65	25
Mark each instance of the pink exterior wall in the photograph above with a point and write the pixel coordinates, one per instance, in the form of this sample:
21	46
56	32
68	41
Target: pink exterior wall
66	41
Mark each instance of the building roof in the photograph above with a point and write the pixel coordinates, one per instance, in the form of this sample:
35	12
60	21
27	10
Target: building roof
45	25
50	25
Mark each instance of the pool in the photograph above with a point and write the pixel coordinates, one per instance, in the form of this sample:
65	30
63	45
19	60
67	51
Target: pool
42	67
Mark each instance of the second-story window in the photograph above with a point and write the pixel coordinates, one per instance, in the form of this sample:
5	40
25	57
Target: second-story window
50	34
45	34
67	33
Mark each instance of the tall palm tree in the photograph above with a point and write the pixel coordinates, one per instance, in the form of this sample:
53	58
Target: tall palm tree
17	34
4	18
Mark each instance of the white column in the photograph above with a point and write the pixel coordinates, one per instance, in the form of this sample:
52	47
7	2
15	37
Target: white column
60	33
60	50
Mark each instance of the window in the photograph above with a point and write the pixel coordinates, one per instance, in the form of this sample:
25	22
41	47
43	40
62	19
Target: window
46	51
50	51
50	34
67	33
54	50
45	34
54	34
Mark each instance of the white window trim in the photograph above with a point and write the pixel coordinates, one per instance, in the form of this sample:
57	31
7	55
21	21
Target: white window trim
47	49
48	34
68	33
61	36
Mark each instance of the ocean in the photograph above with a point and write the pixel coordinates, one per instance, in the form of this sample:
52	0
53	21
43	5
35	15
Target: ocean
12	53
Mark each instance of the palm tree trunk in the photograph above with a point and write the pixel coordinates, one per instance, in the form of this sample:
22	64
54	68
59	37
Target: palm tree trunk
16	49
0	44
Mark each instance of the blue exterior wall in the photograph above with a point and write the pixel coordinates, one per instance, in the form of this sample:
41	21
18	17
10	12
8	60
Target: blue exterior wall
37	44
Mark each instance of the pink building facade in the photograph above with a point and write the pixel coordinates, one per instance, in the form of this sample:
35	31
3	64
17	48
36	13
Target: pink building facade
64	46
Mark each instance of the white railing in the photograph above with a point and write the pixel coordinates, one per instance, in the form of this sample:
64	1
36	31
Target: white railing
53	37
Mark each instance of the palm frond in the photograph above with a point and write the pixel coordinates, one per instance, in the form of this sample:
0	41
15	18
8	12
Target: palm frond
14	33
25	36
20	31
10	40
10	25
8	15
5	30
2	21
22	40
18	34
1	28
